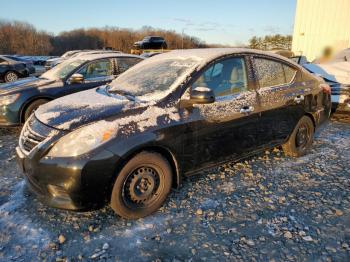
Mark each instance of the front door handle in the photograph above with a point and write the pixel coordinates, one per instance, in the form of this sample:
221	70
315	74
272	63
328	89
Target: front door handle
298	99
246	109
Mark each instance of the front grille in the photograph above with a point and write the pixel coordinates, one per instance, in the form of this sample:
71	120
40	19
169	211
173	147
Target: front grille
33	133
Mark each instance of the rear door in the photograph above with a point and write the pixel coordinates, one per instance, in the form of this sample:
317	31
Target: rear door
281	99
225	129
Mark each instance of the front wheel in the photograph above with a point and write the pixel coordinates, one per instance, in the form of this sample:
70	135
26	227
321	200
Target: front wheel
10	76
301	139
32	107
142	186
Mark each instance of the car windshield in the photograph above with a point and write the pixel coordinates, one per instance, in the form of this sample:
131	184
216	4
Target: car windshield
62	70
152	78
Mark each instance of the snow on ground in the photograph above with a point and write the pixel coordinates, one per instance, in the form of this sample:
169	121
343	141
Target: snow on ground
266	207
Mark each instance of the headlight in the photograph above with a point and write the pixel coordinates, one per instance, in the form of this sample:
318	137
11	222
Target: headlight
84	139
6	100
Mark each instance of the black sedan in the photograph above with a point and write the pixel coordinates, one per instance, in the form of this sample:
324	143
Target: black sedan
12	68
169	116
19	99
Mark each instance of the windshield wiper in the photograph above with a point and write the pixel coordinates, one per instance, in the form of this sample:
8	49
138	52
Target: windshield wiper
124	93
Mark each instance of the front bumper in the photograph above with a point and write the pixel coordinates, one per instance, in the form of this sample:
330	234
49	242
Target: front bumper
69	183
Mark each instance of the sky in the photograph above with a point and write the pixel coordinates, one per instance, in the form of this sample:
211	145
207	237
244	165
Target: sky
228	22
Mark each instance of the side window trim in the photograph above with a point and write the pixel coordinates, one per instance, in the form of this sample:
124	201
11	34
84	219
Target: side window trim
115	66
294	76
274	60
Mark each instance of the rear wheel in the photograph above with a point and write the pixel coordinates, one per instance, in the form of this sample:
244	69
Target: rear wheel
32	107
142	186
10	76
301	139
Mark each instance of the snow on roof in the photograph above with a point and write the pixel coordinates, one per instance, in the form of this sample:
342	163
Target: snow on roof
103	55
208	54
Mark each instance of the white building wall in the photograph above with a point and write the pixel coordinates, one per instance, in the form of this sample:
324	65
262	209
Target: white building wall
319	24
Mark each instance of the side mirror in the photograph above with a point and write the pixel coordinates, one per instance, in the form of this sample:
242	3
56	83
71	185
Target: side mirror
202	95
76	79
199	95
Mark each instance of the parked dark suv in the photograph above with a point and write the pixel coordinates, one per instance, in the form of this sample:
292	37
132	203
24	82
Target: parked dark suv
19	99
169	116
151	42
12	68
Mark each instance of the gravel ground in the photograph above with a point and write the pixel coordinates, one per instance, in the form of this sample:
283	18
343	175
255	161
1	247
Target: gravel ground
267	208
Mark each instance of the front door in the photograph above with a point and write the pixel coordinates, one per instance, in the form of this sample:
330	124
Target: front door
225	129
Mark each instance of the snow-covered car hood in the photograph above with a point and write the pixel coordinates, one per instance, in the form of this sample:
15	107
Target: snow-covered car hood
336	72
73	111
21	85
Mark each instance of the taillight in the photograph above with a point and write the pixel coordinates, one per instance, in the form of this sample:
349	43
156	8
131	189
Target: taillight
326	89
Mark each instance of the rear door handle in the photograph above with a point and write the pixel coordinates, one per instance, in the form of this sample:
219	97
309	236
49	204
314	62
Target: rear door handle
299	99
246	109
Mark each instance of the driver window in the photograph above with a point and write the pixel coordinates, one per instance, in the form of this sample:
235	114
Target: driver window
225	77
97	69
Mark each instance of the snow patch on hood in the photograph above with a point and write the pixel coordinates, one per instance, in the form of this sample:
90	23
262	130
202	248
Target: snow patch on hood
103	130
149	118
67	112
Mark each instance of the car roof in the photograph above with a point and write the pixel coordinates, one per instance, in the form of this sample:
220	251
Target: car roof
104	55
95	52
208	54
15	58
8	59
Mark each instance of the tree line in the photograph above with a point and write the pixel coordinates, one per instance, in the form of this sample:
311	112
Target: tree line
24	39
271	42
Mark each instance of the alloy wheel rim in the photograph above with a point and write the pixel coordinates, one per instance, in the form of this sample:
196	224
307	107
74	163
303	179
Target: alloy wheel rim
142	187
11	77
302	136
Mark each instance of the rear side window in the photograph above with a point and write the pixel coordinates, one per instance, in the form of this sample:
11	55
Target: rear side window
273	73
124	64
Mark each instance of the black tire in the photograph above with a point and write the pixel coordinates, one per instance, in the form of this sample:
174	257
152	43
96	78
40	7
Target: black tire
32	107
142	186
10	76
300	141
